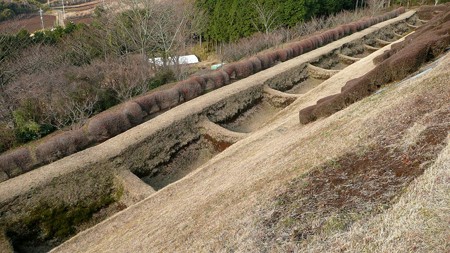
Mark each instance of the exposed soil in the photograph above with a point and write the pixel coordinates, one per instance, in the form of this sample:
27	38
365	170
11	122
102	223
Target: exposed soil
362	54
305	86
339	66
36	240
30	23
253	118
81	20
327	62
187	159
357	184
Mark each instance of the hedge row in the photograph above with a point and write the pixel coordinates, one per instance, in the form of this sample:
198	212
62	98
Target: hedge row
403	59
428	12
117	120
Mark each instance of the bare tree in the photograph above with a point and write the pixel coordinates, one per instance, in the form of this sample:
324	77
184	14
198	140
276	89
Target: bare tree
126	77
375	6
154	28
266	17
131	26
67	110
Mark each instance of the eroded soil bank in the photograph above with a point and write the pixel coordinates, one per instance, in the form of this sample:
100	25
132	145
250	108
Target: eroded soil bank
356	185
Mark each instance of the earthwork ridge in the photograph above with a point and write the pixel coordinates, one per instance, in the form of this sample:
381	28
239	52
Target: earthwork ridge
125	116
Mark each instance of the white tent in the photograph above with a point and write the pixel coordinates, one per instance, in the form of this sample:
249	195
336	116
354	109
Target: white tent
185	59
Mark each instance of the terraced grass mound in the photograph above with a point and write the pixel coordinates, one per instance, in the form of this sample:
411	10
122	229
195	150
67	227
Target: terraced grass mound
123	117
424	45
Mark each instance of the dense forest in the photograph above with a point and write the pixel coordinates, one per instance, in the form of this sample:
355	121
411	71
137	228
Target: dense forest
229	20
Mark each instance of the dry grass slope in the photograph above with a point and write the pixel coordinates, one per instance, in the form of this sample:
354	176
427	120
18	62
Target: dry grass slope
427	43
222	206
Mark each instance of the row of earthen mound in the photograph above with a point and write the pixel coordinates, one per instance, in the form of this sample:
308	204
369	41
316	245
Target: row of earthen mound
404	58
123	117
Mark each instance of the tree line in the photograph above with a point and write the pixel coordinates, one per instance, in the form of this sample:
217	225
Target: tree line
57	79
229	20
9	10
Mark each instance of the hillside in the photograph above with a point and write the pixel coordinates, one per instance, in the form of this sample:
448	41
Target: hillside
339	144
240	200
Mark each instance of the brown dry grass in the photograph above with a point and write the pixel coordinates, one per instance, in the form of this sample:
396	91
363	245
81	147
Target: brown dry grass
418	222
358	202
217	208
404	58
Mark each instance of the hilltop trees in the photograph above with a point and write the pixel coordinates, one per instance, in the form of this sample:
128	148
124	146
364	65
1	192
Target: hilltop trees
230	20
266	17
150	28
60	78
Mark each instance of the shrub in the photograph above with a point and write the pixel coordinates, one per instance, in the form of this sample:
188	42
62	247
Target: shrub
408	60
428	12
306	45
7	137
353	27
225	76
216	80
170	98
148	103
230	69
106	125
201	80
336	34
306	115
256	63
341	31
315	40
133	112
360	25
16	162
296	49
55	147
273	56
162	77
266	61
319	40
188	90
282	55
244	69
211	80
329	105
347	29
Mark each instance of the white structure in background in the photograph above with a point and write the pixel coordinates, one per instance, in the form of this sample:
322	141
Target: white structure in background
42	19
185	59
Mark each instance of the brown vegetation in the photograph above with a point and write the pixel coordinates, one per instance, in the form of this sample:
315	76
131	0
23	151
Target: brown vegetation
30	23
134	113
341	191
216	80
117	120
425	44
106	125
60	145
16	162
188	89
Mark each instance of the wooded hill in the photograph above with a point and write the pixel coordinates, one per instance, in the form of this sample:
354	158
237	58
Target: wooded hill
229	20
